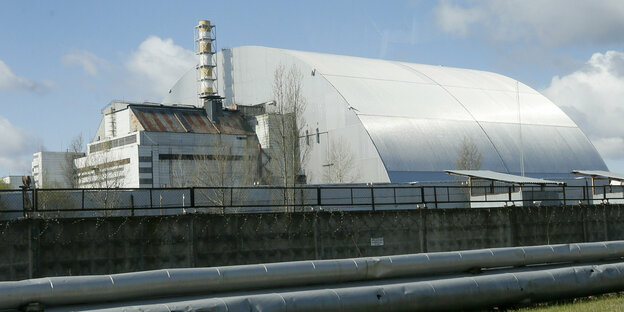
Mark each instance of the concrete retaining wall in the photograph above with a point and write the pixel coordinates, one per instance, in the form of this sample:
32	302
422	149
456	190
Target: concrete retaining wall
53	247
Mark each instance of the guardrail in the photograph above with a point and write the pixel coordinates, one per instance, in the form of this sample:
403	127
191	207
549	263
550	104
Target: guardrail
159	201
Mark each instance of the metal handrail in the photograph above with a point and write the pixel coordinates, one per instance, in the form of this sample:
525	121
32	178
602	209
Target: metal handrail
307	198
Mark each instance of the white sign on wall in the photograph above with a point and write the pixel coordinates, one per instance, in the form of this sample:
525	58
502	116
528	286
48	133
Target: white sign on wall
377	241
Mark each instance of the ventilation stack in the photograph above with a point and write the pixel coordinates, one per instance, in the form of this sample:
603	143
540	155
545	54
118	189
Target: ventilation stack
206	68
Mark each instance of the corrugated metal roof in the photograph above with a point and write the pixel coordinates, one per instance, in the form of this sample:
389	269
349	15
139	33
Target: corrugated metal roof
600	174
182	119
502	177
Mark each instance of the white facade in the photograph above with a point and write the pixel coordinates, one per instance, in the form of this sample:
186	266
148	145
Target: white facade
49	169
149	145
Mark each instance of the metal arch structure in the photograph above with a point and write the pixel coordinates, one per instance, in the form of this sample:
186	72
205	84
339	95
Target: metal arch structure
405	122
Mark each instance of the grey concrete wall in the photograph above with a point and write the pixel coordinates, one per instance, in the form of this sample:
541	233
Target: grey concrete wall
53	247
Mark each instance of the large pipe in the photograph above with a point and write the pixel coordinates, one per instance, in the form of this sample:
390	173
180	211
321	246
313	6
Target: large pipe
451	293
171	282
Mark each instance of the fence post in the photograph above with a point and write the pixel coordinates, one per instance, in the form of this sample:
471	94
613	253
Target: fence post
351	194
35	200
372	197
82	199
394	193
318	196
151	199
192	197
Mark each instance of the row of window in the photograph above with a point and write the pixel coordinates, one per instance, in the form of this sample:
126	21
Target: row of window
103	146
198	157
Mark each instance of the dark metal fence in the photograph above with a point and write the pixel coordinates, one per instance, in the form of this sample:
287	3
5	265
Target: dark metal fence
160	201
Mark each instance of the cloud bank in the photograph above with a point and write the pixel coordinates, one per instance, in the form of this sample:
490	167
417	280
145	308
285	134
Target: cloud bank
89	62
16	148
158	64
550	23
593	96
10	82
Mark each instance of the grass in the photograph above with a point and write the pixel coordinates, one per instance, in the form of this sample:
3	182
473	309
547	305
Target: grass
607	302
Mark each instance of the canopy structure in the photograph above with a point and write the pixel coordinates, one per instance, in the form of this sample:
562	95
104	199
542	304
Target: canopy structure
600	174
404	122
502	177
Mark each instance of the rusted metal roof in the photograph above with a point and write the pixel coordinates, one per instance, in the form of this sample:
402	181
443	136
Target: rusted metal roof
186	119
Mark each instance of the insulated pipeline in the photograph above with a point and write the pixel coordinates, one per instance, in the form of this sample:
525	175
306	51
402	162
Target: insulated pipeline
56	291
450	293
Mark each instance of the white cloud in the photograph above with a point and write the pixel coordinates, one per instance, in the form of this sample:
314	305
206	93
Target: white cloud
551	23
457	20
89	62
593	97
17	146
159	63
394	36
10	82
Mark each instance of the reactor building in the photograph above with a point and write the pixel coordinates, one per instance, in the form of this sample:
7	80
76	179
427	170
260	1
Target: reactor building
363	121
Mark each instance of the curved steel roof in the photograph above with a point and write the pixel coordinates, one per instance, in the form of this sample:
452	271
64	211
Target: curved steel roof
418	115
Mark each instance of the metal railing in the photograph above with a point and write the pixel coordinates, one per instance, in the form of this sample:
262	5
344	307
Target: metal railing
159	201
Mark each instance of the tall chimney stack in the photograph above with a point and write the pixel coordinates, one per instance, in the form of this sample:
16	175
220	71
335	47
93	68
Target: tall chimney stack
205	49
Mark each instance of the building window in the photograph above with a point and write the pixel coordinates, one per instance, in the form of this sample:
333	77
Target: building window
145	158
145	169
104	146
145	181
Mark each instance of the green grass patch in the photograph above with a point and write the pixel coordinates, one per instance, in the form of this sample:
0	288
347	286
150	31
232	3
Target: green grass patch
607	302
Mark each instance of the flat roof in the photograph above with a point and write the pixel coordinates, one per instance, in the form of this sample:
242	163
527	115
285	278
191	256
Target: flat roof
600	174
501	177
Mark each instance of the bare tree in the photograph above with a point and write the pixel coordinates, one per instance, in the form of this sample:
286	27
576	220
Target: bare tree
288	156
103	171
217	164
468	155
340	163
226	170
74	151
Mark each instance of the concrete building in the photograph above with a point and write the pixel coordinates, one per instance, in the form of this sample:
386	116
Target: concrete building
400	122
50	169
359	120
153	145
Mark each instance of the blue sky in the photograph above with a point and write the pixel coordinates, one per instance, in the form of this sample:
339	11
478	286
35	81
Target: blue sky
62	62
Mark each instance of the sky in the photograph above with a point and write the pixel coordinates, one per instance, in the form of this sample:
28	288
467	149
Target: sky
61	62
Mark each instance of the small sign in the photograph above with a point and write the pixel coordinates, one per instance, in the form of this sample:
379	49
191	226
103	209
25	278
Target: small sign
377	241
